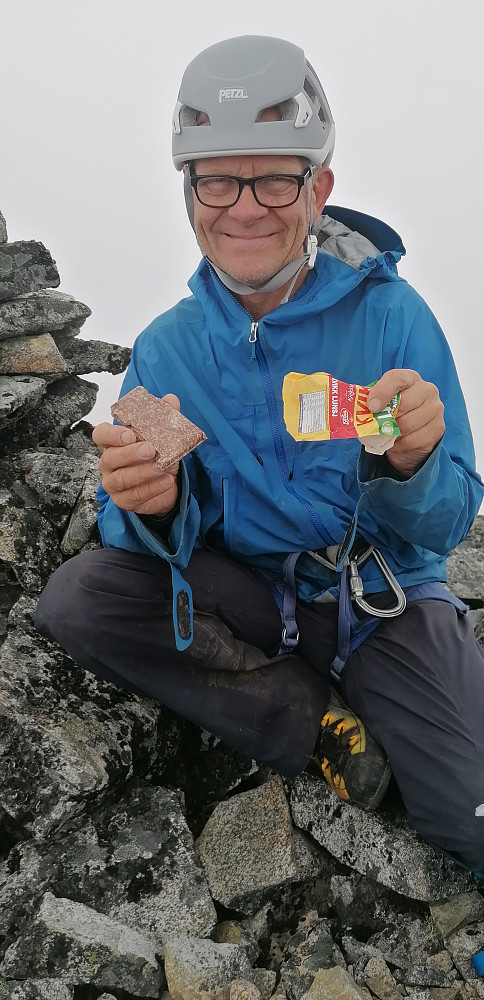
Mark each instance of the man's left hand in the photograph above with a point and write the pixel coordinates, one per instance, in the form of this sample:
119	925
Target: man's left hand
420	417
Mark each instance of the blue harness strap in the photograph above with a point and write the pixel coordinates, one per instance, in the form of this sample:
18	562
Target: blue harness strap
283	590
352	631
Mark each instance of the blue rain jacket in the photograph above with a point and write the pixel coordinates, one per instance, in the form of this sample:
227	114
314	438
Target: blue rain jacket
253	492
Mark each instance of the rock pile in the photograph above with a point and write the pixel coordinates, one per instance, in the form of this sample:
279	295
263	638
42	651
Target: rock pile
137	854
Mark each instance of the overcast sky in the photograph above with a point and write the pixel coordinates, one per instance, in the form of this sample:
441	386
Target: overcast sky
88	91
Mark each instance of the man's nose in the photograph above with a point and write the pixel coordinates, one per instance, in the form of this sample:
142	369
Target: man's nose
247	208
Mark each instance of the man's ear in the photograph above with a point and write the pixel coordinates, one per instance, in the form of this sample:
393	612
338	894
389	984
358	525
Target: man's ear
323	181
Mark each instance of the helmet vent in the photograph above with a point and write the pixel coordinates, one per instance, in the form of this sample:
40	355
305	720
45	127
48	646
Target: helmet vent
192	116
285	111
314	99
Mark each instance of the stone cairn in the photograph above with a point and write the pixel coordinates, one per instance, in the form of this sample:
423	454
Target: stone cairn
138	856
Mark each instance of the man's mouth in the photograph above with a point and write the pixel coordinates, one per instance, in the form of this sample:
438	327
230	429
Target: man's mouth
248	236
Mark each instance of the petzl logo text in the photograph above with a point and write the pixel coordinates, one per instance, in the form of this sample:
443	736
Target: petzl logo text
232	94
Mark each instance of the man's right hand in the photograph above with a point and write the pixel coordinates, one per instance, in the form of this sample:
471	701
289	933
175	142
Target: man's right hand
128	470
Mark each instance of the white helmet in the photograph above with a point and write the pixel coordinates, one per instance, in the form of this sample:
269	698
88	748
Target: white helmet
232	83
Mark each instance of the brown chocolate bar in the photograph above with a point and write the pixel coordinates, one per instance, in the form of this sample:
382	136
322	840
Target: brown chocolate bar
155	421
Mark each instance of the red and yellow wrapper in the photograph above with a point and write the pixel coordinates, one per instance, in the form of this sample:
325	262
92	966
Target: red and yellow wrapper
319	407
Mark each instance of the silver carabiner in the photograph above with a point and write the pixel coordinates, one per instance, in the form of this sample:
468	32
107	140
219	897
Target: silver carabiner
356	585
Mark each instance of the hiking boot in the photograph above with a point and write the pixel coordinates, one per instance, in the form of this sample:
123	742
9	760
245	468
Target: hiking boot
348	756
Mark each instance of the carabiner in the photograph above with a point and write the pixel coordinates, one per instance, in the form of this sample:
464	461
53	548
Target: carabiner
356	585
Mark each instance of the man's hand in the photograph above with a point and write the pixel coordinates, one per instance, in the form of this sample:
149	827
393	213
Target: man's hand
420	417
129	474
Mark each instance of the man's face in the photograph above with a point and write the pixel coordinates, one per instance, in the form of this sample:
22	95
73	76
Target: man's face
251	242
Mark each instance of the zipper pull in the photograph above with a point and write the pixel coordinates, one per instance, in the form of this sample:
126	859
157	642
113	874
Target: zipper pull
252	338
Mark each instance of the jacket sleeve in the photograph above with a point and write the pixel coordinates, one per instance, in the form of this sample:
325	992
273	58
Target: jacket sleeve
124	529
435	508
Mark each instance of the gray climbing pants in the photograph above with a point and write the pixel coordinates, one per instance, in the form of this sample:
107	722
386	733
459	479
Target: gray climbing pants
417	682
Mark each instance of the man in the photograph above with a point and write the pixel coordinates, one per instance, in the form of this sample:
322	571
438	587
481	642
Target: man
230	586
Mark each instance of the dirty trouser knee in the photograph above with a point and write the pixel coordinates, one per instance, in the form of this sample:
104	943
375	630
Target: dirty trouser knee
418	684
112	612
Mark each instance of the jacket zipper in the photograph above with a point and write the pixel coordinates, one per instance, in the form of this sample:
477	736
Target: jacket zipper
258	353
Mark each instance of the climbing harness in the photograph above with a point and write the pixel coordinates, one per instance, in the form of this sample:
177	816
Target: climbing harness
352	629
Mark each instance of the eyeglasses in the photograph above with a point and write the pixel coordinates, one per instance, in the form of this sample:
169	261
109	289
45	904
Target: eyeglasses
270	191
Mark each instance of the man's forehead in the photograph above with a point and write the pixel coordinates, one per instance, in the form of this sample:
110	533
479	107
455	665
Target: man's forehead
250	165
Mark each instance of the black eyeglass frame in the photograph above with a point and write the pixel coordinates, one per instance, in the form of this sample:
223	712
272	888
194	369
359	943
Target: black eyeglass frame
251	182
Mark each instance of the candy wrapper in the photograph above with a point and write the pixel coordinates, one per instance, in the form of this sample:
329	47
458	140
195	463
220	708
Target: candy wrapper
319	407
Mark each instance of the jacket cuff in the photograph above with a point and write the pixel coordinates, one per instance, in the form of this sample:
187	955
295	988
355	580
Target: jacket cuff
177	546
372	468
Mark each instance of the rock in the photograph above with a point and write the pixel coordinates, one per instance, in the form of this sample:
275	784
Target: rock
386	850
422	975
477	620
232	932
84	356
380	981
465	565
3	229
31	355
134	862
28	543
48	424
19	394
25	267
94	949
363	906
197	969
358	954
35	989
241	989
45	311
247	847
265	980
152	879
83	521
334	984
458	911
310	948
404	945
58	480
65	736
200	765
462	946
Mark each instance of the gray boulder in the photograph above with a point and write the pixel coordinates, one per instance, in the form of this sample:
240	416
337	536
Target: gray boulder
247	848
28	542
133	861
18	394
65	402
27	355
3	229
65	736
46	311
458	911
462	946
25	267
58	480
386	850
84	356
83	947
35	989
334	984
309	949
465	566
197	969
